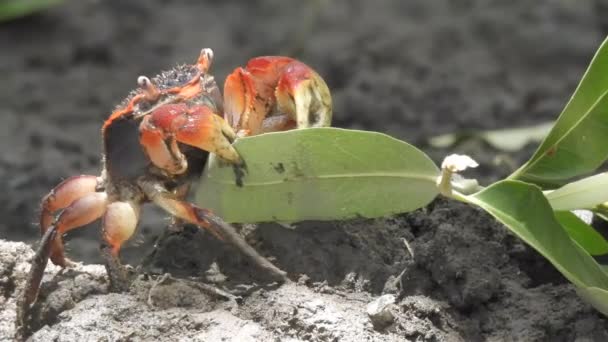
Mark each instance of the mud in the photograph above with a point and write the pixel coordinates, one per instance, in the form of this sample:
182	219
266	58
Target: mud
410	69
467	279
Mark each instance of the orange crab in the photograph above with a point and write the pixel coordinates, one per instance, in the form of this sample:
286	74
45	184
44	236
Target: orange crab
157	141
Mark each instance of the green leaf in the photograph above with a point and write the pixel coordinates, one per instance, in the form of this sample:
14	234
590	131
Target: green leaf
510	140
587	237
596	297
319	174
583	194
526	212
578	143
601	212
10	9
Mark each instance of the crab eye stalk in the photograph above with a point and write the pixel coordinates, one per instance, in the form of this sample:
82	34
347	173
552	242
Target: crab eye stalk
204	60
150	91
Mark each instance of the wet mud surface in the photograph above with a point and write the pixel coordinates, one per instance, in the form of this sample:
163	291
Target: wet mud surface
410	69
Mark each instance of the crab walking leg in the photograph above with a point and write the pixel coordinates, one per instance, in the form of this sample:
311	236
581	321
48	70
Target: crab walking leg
181	192
32	284
206	219
119	225
63	195
82	211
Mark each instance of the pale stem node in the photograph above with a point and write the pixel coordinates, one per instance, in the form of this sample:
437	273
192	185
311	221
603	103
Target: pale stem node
450	166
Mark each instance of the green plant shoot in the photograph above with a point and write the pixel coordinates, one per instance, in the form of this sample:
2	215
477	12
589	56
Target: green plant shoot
333	174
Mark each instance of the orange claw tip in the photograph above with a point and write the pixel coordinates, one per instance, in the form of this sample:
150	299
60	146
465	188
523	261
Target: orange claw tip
204	60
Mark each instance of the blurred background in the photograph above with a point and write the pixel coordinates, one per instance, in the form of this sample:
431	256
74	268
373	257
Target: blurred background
412	69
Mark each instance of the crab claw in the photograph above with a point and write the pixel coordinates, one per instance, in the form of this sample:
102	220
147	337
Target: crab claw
302	92
196	126
276	93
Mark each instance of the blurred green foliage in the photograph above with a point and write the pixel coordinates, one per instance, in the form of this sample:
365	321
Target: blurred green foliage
12	9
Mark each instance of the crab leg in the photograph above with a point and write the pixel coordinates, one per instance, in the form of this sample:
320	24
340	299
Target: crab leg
60	197
119	224
268	85
32	284
206	219
82	211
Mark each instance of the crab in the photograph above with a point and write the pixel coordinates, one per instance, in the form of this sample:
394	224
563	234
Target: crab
157	141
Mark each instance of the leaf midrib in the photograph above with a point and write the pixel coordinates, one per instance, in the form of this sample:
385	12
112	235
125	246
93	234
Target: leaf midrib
428	178
559	140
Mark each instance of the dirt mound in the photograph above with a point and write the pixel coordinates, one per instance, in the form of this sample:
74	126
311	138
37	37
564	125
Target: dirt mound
465	279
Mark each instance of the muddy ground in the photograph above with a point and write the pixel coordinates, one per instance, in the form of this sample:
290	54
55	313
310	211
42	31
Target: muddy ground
410	69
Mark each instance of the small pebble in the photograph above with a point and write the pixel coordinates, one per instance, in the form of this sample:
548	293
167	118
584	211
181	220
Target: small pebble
379	311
